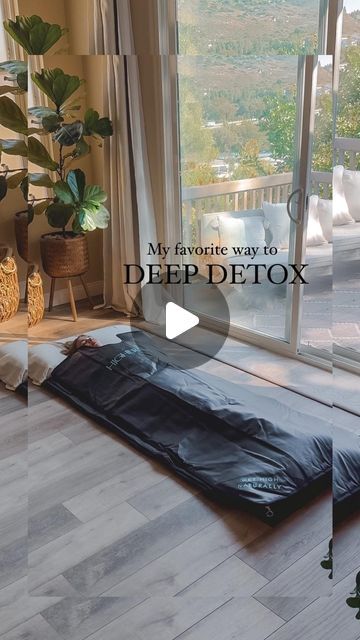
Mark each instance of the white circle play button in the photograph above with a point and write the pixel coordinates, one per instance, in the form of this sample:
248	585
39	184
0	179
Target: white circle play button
188	322
178	320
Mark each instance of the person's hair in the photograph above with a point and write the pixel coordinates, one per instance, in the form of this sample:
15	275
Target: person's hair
70	347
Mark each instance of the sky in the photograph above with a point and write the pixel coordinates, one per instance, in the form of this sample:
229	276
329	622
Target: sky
352	5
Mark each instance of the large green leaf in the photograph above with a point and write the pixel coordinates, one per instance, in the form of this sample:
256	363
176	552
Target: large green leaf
94	125
59	214
3	187
40	180
40	207
24	187
39	155
69	134
64	193
76	181
16	179
82	149
14	148
56	84
91	217
94	194
11	116
33	34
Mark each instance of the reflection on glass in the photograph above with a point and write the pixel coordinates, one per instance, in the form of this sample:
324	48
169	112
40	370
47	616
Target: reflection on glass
346	309
247	27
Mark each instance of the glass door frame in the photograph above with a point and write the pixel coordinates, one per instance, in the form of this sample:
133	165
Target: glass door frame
301	179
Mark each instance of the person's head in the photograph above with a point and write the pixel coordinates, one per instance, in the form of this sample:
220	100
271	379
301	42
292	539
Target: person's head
81	341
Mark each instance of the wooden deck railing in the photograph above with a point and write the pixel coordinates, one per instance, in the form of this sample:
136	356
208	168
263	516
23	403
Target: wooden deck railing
250	193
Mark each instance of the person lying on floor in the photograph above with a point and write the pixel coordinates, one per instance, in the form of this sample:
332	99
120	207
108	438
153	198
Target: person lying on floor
224	442
69	348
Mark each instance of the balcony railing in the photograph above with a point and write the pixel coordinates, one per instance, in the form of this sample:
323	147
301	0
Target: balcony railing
240	195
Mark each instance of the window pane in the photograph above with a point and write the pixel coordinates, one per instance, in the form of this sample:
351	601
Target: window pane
237	139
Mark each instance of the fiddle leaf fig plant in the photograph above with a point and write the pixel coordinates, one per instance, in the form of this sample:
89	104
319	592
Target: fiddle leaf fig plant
36	37
73	201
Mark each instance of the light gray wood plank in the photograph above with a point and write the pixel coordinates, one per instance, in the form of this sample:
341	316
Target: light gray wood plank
50	524
230	579
78	457
13	467
10	402
108	567
238	618
13	561
48	417
325	619
34	629
192	559
50	446
77	618
105	495
160	618
57	587
77	545
298	586
75	481
13	433
346	549
297	535
13	525
16	606
154	501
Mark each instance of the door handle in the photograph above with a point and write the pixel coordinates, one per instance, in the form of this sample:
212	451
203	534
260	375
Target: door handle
300	193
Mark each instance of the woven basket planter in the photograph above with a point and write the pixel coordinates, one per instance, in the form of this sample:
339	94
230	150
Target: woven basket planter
21	234
64	257
9	289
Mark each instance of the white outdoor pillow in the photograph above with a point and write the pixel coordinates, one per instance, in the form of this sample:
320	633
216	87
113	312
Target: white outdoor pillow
13	363
341	213
325	213
314	235
278	222
231	233
351	184
255	232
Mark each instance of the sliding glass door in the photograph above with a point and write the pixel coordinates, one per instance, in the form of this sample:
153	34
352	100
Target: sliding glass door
245	131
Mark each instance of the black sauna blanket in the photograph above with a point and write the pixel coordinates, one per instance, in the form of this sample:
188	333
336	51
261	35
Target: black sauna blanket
346	478
222	443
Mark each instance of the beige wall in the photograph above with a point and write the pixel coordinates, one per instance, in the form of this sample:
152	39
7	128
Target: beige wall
74	65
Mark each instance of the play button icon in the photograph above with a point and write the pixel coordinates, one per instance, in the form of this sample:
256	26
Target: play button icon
178	320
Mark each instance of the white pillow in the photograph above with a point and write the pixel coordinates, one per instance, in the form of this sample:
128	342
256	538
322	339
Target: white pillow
232	233
278	222
314	233
43	358
255	232
351	184
325	213
13	363
341	213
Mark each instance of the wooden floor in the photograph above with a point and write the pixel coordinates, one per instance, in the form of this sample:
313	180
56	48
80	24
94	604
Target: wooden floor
100	542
